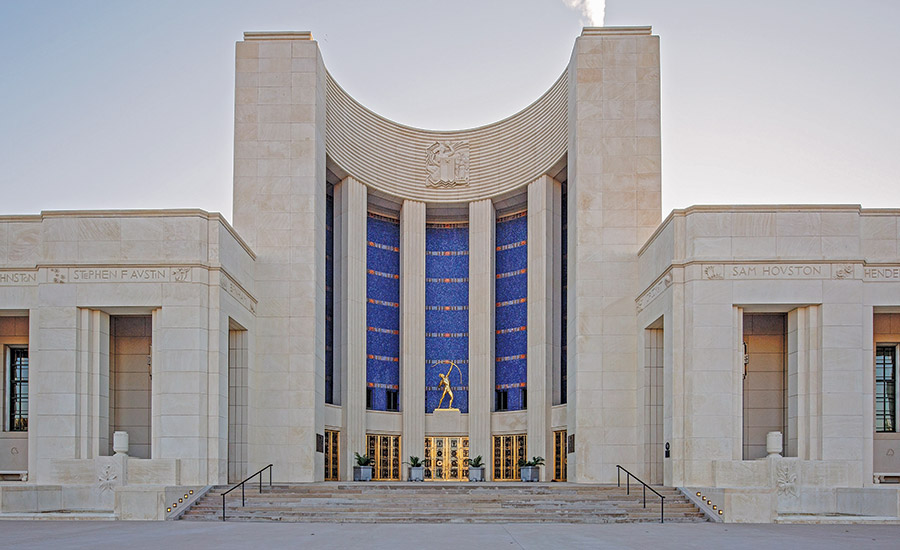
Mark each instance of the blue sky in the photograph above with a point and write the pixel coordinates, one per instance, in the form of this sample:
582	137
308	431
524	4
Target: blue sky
130	105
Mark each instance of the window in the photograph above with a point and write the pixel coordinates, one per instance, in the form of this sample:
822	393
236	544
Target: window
18	389
392	400
502	400
886	389
524	398
369	398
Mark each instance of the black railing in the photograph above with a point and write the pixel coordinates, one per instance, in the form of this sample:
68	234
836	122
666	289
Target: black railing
662	499
241	485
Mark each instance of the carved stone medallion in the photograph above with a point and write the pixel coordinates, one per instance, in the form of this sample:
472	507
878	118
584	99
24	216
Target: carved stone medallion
447	164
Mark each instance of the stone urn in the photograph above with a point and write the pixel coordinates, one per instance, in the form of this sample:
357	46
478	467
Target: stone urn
774	443
120	443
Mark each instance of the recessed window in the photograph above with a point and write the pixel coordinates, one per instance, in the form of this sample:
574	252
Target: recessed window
502	400
369	398
524	398
18	389
886	389
393	400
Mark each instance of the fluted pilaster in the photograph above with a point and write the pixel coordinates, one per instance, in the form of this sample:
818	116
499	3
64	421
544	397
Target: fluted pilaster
412	328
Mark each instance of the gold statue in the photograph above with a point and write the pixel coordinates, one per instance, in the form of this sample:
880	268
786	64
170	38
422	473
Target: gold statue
445	384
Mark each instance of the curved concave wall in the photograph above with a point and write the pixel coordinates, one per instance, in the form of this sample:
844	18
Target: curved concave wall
391	157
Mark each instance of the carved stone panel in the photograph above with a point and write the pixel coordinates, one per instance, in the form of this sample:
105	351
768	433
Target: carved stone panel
447	164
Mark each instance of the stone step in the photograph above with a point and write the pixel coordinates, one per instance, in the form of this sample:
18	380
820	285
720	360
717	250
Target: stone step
443	503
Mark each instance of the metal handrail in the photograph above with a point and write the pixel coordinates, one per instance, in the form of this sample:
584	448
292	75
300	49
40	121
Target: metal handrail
241	485
662	501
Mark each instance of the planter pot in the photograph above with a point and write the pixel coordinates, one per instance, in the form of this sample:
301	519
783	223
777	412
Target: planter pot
362	473
476	474
417	473
530	473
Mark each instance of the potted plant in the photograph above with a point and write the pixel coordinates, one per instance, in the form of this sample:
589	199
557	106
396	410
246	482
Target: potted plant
363	469
416	469
530	470
476	469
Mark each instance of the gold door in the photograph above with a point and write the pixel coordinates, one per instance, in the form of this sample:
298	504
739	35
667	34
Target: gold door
385	452
508	449
332	455
559	455
446	458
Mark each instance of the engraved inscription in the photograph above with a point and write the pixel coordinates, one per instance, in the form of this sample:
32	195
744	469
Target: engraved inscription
238	293
17	278
120	274
881	274
777	271
654	292
447	164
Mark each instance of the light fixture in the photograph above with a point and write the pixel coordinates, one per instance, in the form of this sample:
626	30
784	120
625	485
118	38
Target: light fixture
714	507
720	512
168	509
698	493
191	491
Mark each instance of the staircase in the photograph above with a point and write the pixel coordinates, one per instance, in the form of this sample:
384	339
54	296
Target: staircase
375	502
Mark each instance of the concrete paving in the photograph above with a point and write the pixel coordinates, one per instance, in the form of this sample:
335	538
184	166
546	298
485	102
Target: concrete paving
259	536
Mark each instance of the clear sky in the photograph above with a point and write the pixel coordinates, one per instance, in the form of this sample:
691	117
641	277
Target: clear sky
120	104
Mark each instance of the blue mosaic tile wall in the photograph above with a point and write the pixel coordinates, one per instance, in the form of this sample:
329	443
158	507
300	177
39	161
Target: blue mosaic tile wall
383	308
329	299
447	312
511	313
564	283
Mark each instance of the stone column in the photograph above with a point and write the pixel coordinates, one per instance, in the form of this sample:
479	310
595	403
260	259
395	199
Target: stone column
481	329
737	392
614	205
541	277
279	210
92	381
412	329
350	299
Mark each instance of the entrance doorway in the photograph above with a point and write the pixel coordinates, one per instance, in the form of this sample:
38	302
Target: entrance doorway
446	458
385	451
508	449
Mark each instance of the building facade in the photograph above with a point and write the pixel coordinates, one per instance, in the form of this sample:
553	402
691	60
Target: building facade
506	291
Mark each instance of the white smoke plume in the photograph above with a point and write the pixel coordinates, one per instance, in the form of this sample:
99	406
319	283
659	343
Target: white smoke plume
592	11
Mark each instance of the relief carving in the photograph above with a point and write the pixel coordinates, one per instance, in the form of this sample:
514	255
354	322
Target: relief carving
181	274
107	478
58	276
713	272
447	164
785	480
843	271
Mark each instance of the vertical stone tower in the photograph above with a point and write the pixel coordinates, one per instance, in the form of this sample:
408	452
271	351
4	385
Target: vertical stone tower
614	205
279	208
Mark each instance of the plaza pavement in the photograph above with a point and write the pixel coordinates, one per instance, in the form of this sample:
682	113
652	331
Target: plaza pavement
96	535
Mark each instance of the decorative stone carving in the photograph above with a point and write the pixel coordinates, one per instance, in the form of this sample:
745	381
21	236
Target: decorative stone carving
107	478
181	274
447	164
713	272
843	271
785	480
57	275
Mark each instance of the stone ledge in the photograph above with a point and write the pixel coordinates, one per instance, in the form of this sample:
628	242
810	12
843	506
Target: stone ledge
278	35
